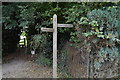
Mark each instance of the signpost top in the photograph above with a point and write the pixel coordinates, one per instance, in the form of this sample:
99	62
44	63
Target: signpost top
54	15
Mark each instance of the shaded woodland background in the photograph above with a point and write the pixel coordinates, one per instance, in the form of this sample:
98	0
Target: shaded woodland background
92	46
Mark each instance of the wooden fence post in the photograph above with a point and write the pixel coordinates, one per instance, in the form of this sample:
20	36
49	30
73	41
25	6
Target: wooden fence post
55	46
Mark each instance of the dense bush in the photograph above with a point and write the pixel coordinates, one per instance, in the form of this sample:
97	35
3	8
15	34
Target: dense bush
101	29
41	44
108	23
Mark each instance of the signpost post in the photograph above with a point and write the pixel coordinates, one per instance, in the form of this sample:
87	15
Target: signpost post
54	30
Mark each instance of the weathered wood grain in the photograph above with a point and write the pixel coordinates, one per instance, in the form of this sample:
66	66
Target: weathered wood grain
47	29
55	46
65	25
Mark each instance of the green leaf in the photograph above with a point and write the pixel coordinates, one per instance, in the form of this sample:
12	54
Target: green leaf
101	36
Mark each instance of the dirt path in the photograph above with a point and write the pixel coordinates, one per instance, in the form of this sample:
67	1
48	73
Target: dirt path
21	66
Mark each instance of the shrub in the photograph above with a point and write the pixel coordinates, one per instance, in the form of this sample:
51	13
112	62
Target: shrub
44	61
38	41
101	29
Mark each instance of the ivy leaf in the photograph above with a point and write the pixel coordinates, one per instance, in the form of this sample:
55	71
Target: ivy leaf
101	36
97	65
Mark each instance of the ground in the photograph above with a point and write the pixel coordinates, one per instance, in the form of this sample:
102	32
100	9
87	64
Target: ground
19	65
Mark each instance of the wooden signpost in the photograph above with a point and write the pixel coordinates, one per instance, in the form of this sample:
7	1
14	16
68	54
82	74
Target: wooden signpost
54	30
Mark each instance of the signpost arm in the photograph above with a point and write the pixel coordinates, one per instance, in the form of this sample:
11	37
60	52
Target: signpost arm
55	46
